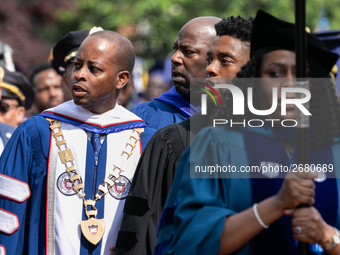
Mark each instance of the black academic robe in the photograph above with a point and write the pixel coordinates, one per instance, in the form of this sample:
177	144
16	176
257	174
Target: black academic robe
151	184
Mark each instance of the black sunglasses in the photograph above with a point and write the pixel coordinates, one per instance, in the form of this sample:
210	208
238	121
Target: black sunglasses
4	107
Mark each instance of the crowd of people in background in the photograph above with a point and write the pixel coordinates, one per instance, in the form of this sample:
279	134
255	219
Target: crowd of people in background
51	81
104	150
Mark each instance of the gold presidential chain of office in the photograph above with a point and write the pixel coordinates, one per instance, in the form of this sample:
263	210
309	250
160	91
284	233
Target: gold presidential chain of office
66	157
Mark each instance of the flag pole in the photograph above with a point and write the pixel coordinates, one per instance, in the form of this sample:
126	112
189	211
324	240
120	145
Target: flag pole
301	81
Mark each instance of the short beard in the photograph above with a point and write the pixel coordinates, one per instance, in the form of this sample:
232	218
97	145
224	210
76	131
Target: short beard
189	94
184	91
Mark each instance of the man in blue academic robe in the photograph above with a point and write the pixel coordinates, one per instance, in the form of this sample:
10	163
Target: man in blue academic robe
65	173
188	61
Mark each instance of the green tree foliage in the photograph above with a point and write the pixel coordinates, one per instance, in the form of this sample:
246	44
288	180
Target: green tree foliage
157	22
31	27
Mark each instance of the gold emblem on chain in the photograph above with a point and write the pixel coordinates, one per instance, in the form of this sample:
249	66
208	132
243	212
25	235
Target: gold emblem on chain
92	228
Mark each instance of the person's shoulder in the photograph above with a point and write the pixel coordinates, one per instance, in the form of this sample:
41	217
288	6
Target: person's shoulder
154	106
218	135
36	125
33	134
145	111
143	107
149	132
182	126
6	128
171	132
194	124
173	129
38	120
157	114
31	122
213	133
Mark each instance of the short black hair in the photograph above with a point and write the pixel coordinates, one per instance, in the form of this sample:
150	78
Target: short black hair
237	27
125	52
42	66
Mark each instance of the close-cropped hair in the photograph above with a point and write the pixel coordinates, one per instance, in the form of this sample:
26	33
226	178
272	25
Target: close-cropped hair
125	52
324	104
237	27
39	68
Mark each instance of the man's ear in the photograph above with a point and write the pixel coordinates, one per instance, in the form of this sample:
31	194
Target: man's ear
123	77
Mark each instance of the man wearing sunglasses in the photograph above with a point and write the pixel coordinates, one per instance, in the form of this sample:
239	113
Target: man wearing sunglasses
11	112
16	96
6	132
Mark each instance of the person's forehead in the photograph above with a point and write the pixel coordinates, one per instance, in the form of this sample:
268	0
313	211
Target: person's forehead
94	45
195	35
225	43
47	74
280	56
98	51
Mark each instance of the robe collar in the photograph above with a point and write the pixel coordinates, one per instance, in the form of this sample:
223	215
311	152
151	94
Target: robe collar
115	120
172	97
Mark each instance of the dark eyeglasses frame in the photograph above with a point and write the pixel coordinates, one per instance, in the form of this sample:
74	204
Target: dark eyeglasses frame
4	107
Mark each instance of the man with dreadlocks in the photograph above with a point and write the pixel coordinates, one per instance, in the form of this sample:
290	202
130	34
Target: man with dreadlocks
227	54
254	212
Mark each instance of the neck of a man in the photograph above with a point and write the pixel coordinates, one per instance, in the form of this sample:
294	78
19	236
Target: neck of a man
100	111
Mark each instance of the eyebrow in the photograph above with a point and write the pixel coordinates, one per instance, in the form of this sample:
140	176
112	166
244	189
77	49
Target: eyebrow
277	64
186	45
94	62
227	54
91	62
